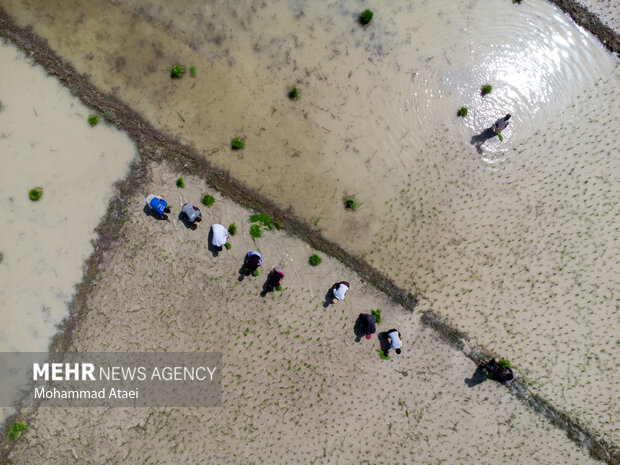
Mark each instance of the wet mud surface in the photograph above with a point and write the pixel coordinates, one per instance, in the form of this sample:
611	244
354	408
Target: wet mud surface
296	384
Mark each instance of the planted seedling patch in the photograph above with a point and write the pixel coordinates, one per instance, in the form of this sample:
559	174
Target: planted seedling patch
237	143
177	71
35	194
93	120
255	231
208	200
366	16
486	89
315	260
504	364
263	221
293	93
16	430
180	183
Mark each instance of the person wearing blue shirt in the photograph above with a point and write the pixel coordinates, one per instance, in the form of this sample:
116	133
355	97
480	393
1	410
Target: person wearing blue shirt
159	205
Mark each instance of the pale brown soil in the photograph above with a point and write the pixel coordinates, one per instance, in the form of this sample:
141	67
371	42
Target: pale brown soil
296	386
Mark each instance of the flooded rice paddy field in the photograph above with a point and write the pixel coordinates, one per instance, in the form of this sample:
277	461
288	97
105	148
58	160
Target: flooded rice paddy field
46	141
297	388
516	243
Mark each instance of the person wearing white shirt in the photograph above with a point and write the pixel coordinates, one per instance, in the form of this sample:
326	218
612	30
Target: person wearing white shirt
394	339
339	290
220	235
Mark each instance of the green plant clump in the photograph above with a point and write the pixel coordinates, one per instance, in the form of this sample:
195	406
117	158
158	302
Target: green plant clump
35	194
237	143
366	16
208	200
93	120
177	71
264	222
16	430
255	272
377	314
228	245
315	259
462	112
382	355
232	229
350	203
501	138
293	94
504	364
486	89
279	287
262	218
192	70
255	231
180	183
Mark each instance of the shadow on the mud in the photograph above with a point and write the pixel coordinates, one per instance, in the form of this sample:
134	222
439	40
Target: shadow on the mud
477	378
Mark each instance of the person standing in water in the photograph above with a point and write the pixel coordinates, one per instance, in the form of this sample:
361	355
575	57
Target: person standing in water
500	124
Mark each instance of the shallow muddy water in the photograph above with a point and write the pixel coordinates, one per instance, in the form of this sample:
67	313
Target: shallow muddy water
46	141
514	242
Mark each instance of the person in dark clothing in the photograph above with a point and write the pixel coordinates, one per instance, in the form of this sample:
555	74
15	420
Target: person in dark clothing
500	372
252	261
275	278
368	324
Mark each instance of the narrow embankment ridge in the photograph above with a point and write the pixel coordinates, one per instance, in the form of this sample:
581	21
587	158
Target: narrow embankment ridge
153	145
588	20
